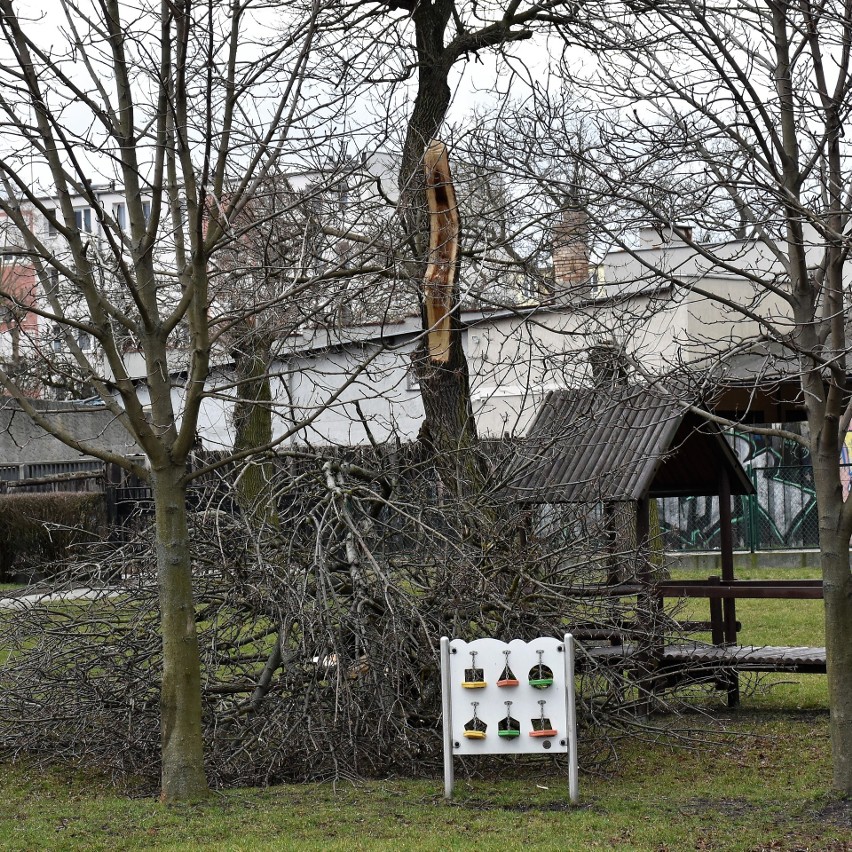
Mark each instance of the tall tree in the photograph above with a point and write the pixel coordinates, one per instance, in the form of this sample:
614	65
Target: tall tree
439	34
725	126
183	109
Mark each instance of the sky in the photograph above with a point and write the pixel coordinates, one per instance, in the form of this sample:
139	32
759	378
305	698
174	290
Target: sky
478	84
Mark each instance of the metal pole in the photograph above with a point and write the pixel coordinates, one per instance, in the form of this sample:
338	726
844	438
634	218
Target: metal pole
446	704
571	721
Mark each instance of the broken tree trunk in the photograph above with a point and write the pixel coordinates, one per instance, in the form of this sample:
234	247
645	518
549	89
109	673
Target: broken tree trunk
449	429
441	272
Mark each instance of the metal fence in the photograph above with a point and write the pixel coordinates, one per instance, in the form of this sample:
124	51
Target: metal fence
782	514
39	470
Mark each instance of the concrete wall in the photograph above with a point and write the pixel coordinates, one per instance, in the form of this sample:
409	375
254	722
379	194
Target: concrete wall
21	441
710	564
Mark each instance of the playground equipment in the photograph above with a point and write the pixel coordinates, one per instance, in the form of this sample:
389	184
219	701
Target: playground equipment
485	665
508	727
475	729
541	676
541	726
507	677
473	677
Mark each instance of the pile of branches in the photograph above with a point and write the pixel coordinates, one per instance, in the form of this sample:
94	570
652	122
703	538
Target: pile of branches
319	622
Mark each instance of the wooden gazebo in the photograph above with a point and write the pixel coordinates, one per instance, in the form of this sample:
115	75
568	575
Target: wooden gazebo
634	444
627	444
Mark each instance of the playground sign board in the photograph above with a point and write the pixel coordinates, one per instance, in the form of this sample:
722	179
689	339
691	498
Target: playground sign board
509	698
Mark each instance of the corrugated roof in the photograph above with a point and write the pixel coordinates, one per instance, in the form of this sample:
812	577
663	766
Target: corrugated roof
622	444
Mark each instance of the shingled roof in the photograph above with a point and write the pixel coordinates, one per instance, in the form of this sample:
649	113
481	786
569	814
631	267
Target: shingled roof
618	445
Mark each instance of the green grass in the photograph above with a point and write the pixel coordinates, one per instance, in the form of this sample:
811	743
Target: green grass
758	791
761	786
764	621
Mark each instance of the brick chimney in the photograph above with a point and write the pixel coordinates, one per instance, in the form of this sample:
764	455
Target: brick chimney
571	274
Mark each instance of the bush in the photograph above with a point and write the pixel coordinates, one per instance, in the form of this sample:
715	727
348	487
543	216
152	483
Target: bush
36	530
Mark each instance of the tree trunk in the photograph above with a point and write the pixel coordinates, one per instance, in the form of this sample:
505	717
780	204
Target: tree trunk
180	695
449	429
430	107
253	427
837	588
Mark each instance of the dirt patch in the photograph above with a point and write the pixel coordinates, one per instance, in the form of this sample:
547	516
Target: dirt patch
545	807
837	813
549	806
728	807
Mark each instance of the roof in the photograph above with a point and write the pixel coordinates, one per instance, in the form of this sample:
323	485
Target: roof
618	445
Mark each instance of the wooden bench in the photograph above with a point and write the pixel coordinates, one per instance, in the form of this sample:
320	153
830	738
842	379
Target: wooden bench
725	653
720	661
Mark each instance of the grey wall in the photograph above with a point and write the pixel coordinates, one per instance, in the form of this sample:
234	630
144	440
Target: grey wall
21	441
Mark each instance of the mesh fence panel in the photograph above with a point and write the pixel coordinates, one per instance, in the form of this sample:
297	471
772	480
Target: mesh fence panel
692	523
782	514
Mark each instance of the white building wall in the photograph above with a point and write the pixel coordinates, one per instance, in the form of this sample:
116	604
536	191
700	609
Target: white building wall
691	300
513	364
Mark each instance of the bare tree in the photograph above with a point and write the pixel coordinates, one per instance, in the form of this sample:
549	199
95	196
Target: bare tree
184	111
717	134
438	35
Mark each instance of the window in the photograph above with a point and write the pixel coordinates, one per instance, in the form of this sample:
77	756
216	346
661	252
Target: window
84	341
56	338
146	210
50	212
83	219
412	380
119	213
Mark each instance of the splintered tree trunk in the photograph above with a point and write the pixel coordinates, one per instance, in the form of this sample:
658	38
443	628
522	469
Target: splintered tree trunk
449	429
180	693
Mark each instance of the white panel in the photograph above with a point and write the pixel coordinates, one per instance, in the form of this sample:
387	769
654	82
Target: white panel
523	656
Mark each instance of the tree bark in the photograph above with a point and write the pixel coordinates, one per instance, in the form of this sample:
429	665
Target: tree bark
253	426
449	429
180	694
837	591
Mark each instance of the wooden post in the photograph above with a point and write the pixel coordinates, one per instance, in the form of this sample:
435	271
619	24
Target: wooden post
729	605
612	574
643	524
648	600
717	624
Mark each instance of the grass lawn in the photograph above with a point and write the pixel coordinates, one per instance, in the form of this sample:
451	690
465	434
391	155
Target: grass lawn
762	787
761	791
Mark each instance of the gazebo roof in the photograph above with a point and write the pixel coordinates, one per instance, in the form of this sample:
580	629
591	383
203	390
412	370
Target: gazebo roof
621	444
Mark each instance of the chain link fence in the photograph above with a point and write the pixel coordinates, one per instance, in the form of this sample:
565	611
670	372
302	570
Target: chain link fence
782	514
